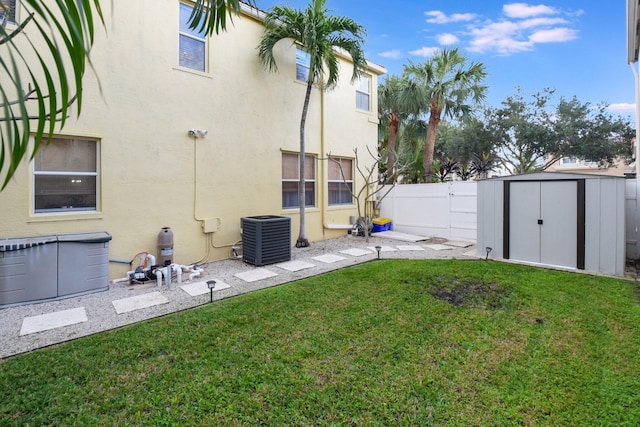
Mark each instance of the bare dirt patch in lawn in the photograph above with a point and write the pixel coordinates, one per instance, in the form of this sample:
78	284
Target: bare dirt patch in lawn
470	294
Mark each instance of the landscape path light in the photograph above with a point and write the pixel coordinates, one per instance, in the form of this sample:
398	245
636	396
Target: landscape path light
211	284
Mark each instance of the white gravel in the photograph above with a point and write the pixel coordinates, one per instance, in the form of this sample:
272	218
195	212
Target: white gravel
102	316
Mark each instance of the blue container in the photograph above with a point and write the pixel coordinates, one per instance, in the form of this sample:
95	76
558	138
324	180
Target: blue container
377	228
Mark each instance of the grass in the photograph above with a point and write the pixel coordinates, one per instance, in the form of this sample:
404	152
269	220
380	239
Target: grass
384	343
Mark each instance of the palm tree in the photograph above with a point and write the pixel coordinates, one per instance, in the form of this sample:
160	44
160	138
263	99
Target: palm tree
392	106
320	34
443	85
36	94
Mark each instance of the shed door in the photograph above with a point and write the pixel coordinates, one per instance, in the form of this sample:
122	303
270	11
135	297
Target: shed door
543	222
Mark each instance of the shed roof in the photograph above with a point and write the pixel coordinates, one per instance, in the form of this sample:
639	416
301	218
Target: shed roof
553	176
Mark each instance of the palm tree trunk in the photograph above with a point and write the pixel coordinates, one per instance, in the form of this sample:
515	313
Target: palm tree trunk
391	147
429	147
302	241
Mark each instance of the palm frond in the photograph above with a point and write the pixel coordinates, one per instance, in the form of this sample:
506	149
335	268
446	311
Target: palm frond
51	76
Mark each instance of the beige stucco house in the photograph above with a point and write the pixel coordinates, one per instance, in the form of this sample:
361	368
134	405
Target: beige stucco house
192	133
577	165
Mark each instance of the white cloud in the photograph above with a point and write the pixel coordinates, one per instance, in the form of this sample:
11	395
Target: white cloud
501	37
447	38
524	10
623	108
391	54
555	35
521	27
424	51
506	37
540	22
438	17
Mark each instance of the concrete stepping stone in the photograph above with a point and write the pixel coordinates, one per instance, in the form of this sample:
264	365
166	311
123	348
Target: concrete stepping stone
439	247
383	249
295	265
255	275
329	258
356	252
405	237
410	248
472	254
139	302
458	244
201	288
58	319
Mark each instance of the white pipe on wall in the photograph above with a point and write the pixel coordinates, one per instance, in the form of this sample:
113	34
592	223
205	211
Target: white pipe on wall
637	92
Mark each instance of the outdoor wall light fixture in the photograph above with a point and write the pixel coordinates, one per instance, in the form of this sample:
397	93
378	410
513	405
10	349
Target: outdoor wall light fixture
211	284
197	133
378	248
488	249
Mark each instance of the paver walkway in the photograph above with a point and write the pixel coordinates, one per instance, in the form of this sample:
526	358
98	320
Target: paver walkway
28	327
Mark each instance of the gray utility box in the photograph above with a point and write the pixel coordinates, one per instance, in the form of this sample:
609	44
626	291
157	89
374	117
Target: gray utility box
83	263
28	269
266	239
49	267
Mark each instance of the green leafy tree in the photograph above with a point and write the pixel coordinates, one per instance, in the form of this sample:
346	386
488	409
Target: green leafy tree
588	132
444	85
320	34
530	135
461	141
522	131
40	85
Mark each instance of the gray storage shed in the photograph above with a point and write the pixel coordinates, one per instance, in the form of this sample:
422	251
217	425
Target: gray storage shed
574	221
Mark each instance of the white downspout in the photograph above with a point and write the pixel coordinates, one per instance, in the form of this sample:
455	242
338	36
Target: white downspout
637	144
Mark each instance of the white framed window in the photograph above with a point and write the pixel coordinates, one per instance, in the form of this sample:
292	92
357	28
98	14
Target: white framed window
8	9
291	180
363	93
568	160
193	43
65	176
340	181
303	65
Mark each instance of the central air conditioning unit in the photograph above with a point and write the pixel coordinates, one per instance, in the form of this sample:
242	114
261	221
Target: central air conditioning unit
266	239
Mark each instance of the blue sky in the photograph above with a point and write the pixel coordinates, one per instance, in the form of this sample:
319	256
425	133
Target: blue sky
577	47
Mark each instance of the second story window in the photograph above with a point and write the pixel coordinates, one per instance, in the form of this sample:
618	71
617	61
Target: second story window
193	43
303	64
363	93
8	9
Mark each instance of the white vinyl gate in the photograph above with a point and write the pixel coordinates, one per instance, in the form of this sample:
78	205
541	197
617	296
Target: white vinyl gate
447	210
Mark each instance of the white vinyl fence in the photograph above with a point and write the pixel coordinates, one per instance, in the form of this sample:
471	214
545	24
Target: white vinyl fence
447	210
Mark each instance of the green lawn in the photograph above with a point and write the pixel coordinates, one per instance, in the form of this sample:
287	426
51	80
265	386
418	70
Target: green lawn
383	343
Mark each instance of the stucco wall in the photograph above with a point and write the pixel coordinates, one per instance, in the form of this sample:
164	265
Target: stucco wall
152	174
